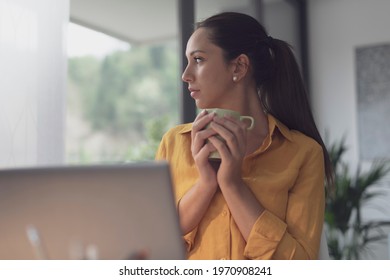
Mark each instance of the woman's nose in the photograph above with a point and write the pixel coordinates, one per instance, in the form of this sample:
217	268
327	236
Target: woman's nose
186	77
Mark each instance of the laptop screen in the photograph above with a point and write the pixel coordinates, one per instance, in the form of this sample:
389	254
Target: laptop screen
81	212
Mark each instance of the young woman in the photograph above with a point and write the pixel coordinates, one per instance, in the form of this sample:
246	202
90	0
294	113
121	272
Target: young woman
265	198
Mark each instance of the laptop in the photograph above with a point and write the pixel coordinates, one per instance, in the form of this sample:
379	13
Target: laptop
112	212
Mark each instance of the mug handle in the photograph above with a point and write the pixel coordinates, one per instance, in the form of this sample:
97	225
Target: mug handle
248	118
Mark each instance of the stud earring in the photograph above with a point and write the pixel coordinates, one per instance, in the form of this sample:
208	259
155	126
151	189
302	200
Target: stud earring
235	78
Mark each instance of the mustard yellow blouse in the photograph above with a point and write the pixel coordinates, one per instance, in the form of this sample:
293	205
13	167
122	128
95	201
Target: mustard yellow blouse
286	174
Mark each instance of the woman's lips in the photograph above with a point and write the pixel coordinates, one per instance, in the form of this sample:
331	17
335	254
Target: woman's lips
194	92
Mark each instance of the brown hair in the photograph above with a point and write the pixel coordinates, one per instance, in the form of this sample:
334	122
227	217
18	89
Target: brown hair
278	77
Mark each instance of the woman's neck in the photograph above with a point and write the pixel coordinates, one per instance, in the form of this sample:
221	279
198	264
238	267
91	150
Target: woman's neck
252	106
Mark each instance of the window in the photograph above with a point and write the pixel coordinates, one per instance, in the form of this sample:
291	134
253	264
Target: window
121	98
32	82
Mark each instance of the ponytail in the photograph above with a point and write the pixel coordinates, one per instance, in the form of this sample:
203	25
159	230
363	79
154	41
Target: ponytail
284	96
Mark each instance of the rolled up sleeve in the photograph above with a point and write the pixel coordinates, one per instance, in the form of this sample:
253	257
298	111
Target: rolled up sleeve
298	236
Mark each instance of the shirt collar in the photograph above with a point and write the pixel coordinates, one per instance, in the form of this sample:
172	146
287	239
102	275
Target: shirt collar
186	128
273	123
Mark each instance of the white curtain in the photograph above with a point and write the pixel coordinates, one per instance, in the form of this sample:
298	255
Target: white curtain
33	65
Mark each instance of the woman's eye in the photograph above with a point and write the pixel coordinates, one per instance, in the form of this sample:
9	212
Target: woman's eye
198	59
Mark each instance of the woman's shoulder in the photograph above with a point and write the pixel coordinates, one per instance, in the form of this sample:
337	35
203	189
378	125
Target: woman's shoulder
296	137
303	139
306	145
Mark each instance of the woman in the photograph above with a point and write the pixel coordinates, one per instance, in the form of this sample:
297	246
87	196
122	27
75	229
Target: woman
265	198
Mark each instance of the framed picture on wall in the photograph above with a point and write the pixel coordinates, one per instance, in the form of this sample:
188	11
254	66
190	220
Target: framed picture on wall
373	100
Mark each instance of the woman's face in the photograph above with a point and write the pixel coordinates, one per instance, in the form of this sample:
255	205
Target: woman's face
209	77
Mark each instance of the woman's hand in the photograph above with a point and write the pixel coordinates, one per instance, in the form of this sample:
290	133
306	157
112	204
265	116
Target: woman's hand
201	148
232	150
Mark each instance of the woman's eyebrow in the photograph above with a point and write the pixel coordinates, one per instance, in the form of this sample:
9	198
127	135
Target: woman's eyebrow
196	51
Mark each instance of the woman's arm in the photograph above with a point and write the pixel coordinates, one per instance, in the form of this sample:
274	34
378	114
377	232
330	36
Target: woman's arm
298	234
243	205
193	206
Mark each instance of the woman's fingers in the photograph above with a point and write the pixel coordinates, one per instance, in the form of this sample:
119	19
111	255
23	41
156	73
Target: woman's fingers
200	138
199	132
220	146
205	151
234	134
201	121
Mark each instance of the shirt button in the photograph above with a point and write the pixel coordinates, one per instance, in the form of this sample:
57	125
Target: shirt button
224	213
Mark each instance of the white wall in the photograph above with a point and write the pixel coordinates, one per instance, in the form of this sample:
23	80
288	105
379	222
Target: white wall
281	22
336	28
32	81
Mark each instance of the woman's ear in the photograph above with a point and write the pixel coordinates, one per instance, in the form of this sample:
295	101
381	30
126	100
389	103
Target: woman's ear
240	67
